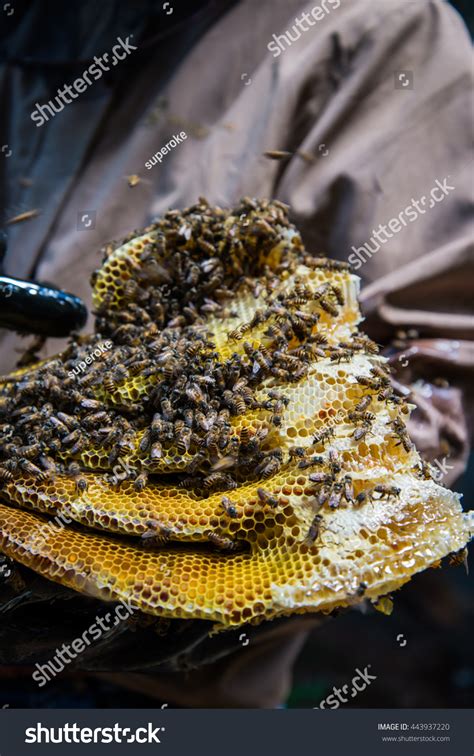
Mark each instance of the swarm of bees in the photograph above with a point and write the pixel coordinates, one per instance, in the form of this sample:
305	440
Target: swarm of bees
218	322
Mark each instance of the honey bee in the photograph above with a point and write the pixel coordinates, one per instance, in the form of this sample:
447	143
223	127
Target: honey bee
381	372
362	405
334	462
323	435
314	530
388	491
5	475
183	441
458	558
154	538
206	246
221	542
219	480
339	296
269	466
325	262
362	497
140	481
310	462
369	382
320	477
336	495
401	433
156	451
298	452
362	430
267	498
71	438
348	489
229	507
278	154
80	481
31	469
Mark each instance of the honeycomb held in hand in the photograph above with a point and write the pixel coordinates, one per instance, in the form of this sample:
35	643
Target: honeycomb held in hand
238	454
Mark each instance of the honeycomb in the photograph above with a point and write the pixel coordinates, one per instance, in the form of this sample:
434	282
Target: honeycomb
238	454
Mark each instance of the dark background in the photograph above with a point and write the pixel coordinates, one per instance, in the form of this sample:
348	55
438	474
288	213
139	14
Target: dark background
431	665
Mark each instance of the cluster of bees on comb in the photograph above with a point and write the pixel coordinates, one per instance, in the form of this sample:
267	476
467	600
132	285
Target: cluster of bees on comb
238	406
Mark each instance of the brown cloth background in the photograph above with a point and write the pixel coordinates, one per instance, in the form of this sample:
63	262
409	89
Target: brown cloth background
331	92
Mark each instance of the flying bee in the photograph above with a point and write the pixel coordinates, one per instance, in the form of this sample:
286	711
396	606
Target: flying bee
314	530
221	542
323	435
267	498
277	154
229	507
388	491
